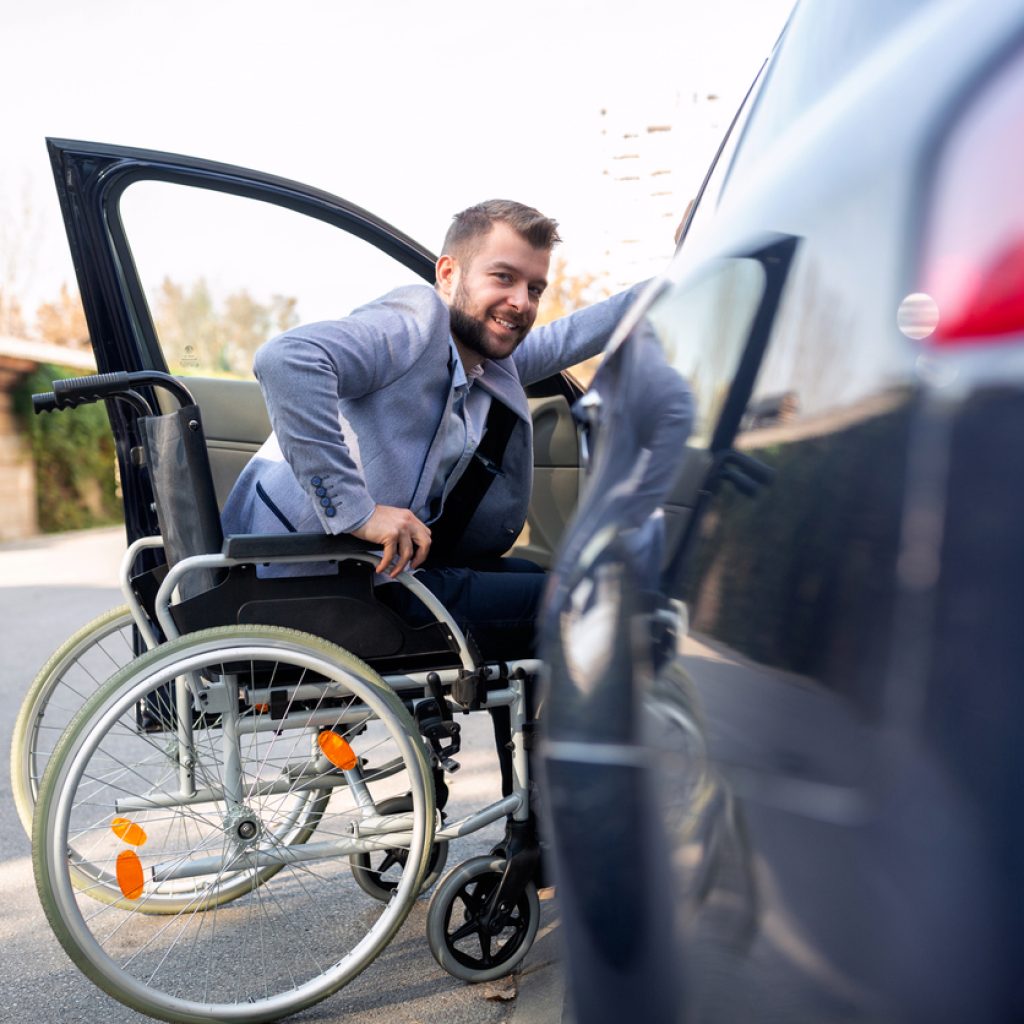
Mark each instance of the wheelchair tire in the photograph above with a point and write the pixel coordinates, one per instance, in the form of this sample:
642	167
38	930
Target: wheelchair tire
75	671
377	874
458	939
112	794
71	675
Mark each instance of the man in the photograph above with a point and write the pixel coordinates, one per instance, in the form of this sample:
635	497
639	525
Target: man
377	416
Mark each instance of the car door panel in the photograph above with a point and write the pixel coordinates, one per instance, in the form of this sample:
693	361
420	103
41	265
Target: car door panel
615	624
555	478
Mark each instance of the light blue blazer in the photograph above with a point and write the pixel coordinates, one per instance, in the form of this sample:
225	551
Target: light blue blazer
356	404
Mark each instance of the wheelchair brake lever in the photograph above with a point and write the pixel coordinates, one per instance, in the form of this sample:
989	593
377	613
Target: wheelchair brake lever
434	718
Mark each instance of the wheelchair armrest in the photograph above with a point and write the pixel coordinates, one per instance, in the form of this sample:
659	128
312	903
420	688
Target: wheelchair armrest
282	546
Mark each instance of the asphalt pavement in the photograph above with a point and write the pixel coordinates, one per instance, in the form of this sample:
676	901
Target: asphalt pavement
49	587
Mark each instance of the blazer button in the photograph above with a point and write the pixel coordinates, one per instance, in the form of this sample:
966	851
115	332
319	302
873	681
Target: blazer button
326	502
321	491
316	481
330	512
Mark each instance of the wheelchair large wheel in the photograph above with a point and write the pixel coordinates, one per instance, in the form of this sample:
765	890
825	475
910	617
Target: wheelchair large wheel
196	796
72	674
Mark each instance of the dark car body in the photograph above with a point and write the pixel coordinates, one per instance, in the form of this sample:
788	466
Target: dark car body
783	747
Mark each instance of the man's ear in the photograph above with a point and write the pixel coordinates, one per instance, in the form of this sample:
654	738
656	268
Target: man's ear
444	274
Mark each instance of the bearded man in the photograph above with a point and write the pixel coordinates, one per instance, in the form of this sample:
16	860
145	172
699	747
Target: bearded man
377	416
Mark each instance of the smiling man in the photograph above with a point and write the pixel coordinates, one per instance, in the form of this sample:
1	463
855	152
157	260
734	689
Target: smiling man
379	418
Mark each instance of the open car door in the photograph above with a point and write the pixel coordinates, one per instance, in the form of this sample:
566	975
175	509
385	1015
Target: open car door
188	265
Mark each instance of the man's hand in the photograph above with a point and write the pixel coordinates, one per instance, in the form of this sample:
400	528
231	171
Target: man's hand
403	537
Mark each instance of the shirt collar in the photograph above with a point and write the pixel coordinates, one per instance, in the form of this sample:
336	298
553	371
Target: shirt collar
460	378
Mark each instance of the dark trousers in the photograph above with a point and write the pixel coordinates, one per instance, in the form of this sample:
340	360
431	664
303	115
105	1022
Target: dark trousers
496	603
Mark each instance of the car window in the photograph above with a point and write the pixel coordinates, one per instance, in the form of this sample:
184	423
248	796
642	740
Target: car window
702	325
223	273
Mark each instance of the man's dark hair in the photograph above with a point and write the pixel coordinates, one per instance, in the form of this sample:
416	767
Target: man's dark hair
471	225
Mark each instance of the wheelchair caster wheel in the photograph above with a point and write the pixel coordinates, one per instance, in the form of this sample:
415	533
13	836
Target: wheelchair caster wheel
378	874
457	933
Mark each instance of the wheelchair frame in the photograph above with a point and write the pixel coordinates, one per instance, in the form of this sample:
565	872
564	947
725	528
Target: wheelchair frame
198	697
511	695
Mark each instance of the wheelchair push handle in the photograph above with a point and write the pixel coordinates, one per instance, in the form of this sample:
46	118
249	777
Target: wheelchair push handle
75	391
45	401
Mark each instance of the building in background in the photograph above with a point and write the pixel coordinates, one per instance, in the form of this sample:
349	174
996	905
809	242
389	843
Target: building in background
654	159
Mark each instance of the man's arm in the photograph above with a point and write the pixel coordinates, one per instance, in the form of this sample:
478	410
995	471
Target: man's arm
573	338
307	371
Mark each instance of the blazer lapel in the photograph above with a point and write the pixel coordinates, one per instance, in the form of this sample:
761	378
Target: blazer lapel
501	381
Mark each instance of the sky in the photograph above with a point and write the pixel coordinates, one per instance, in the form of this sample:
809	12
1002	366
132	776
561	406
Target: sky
410	109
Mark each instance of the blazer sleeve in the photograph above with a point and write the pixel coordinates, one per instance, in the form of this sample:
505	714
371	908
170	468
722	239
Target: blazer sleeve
305	374
571	339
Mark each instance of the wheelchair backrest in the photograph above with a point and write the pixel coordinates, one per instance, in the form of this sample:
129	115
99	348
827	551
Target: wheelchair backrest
186	504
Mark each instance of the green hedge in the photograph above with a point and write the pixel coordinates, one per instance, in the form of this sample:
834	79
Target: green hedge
76	467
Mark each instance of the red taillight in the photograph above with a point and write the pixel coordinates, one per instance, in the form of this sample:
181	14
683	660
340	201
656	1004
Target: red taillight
974	250
996	304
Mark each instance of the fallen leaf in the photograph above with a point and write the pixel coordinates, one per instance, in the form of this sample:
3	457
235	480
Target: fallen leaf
502	991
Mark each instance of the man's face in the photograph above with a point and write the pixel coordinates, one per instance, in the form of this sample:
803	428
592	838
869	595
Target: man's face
494	294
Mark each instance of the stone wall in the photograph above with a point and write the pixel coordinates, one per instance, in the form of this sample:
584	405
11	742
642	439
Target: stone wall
18	358
17	472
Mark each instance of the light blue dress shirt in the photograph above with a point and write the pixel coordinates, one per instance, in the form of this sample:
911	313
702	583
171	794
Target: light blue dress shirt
463	431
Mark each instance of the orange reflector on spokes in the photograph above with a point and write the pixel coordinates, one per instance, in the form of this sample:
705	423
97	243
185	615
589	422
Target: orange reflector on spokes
130	878
337	750
132	834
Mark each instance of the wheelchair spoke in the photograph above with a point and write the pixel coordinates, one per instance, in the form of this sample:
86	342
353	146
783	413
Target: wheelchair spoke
470	928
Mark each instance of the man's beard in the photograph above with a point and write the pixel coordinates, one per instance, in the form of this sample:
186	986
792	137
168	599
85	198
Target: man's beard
472	332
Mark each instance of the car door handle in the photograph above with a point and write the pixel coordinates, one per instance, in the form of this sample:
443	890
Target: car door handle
747	474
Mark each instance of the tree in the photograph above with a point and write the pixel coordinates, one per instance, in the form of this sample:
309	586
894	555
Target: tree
568	292
11	320
186	325
18	241
62	321
197	335
247	323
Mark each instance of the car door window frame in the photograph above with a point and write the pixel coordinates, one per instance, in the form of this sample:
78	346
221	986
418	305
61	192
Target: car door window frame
319	206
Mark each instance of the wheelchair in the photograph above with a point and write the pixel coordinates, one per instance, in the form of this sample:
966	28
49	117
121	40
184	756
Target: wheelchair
236	823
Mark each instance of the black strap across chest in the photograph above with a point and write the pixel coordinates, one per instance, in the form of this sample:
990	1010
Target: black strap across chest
469	490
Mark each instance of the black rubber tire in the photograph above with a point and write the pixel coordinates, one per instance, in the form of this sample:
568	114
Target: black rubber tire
454	930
